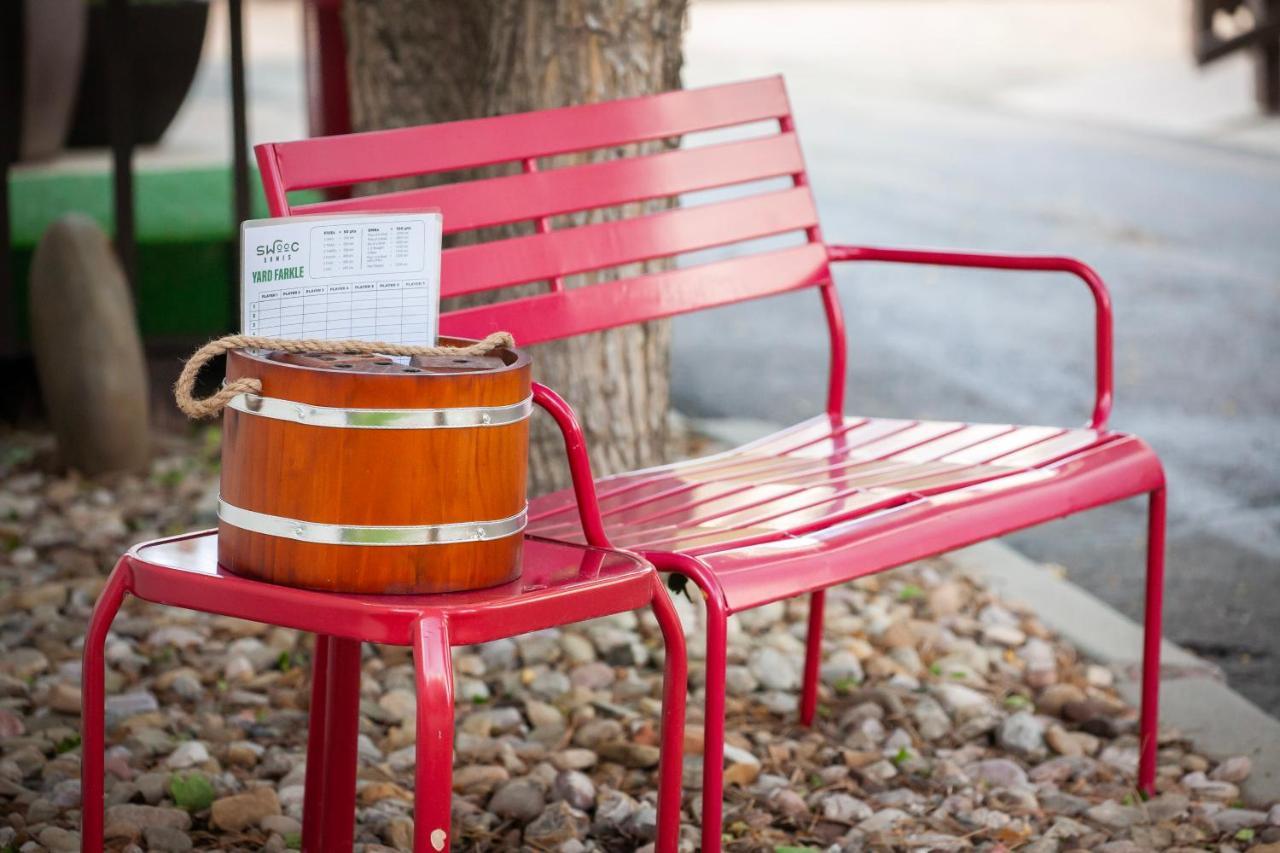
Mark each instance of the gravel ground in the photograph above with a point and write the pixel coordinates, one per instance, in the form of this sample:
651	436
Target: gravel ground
949	720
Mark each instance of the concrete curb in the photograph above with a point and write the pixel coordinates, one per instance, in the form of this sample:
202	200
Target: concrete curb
1194	697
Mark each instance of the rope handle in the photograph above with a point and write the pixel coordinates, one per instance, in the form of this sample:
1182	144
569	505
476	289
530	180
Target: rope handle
216	402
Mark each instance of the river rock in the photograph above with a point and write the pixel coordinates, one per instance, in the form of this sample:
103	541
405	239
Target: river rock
520	799
844	808
1003	635
478	778
1115	816
931	720
741	767
167	839
1022	733
550	684
613	811
574	758
773	669
58	840
630	754
501	655
1233	820
239	811
1235	770
1063	742
575	788
1055	697
788	803
558	823
842	668
188	754
947	599
964	703
592	676
143	817
64	698
998	772
883	820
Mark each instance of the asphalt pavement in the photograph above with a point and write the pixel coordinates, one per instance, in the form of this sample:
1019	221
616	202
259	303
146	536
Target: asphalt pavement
1076	128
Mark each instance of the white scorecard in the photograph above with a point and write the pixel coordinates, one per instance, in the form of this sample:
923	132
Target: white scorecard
373	277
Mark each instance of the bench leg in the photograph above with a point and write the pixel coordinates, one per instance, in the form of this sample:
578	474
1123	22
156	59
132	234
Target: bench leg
675	686
1151	643
341	728
317	751
812	657
713	738
93	708
433	785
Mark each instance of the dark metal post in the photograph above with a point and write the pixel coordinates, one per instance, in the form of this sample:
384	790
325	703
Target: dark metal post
12	74
120	85
1262	40
8	294
1266	62
239	143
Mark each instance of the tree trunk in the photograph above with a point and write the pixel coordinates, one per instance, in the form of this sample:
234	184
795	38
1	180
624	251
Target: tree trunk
422	61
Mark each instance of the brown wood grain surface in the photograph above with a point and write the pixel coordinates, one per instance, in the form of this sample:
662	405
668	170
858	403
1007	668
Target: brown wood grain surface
352	476
367	568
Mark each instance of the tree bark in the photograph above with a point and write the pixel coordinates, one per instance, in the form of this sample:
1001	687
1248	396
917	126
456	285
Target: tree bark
423	61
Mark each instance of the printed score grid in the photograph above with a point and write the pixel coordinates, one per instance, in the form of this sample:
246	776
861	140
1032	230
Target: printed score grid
392	311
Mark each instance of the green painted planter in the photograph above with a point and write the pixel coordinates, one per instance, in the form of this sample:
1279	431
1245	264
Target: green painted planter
186	244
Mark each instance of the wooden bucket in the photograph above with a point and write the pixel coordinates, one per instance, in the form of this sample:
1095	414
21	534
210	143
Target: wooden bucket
354	473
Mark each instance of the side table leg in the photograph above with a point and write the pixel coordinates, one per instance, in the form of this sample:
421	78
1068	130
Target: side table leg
433	789
317	748
341	729
92	707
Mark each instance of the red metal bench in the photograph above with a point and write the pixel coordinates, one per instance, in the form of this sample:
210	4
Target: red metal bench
829	500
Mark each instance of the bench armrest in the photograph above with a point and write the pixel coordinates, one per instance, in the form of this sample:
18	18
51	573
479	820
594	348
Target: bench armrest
1037	263
575	448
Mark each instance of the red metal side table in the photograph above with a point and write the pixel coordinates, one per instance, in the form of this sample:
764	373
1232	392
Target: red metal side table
560	584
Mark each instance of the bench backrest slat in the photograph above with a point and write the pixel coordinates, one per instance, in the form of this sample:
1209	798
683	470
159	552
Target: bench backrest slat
502	263
449	146
514	198
563	314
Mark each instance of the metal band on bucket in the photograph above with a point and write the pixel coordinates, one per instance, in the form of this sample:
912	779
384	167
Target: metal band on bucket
326	416
338	534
